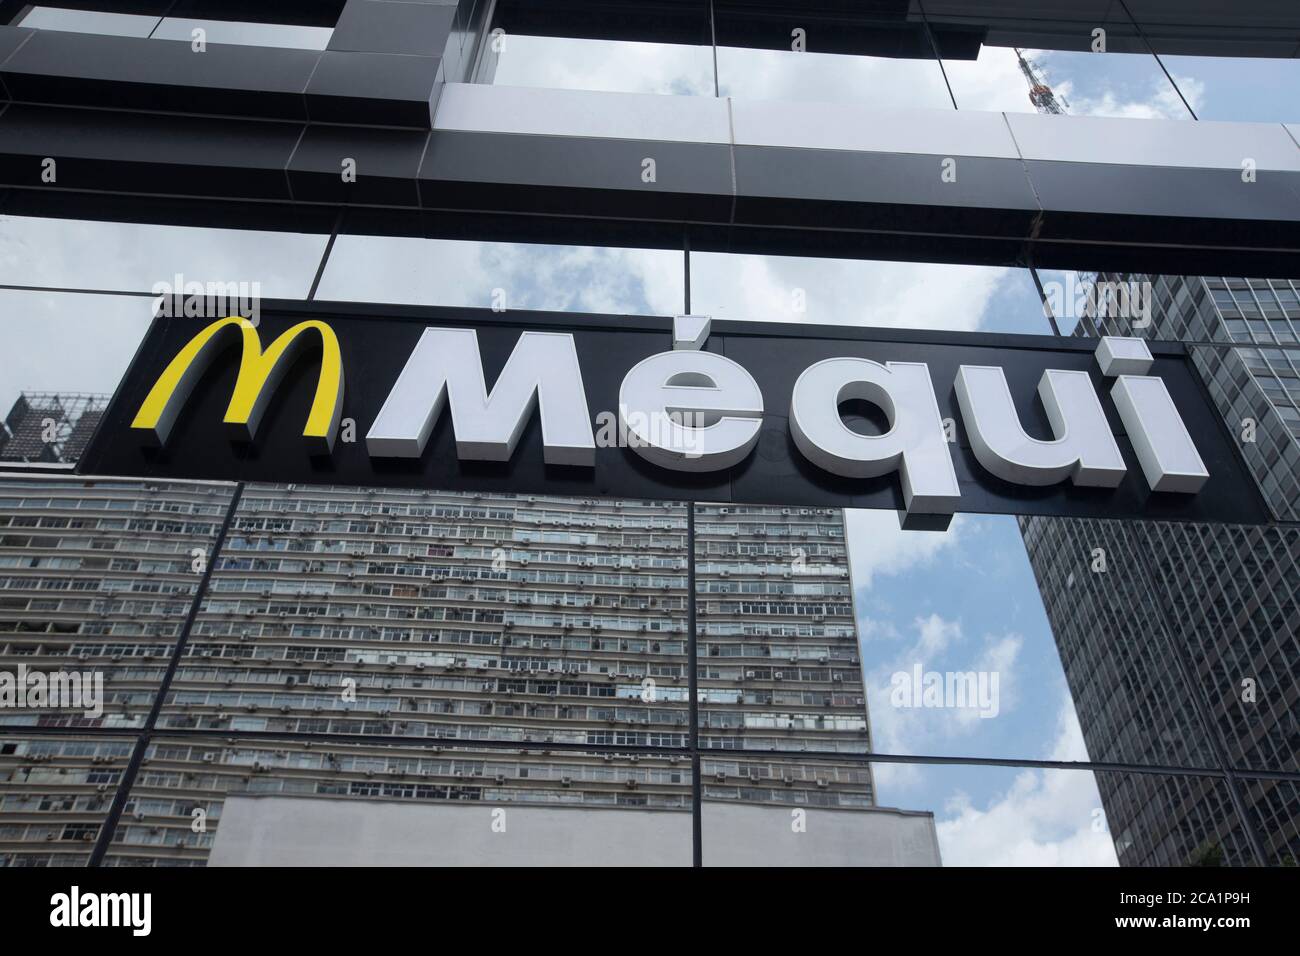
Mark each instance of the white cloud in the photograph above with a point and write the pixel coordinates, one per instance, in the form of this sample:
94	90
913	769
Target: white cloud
1045	818
530	275
939	645
1082	81
878	82
1193	91
992	82
625	67
1163	103
680	69
916	295
1152	97
935	636
878	546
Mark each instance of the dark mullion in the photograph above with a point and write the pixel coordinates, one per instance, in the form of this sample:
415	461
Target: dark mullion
109	827
697	805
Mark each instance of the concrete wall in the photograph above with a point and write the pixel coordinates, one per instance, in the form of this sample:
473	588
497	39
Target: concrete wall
305	831
745	835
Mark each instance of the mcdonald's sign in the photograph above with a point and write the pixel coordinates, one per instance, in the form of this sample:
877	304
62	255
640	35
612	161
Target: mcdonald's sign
922	422
260	372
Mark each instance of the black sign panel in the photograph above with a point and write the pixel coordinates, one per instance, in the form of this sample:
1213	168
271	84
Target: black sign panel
376	341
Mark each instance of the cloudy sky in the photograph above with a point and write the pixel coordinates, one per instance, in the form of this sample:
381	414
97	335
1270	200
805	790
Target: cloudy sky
960	600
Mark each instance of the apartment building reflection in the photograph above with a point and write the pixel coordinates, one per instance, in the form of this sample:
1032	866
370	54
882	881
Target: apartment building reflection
427	654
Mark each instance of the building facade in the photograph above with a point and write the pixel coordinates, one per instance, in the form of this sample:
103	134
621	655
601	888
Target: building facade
349	674
1218	603
442	621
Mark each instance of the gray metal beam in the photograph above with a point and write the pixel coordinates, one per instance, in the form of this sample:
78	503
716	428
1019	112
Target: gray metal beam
830	179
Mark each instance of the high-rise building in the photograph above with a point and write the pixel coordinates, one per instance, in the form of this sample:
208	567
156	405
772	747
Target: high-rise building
1236	330
396	644
1212	608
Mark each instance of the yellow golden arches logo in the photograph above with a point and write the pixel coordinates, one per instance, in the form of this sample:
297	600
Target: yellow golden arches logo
259	374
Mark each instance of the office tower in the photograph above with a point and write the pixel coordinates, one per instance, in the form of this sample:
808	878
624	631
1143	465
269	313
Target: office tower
1200	607
1254	383
396	643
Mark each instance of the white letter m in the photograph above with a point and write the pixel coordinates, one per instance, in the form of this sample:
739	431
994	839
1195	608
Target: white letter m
446	368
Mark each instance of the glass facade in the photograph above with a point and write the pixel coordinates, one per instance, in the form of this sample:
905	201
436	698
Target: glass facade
1221	599
325	660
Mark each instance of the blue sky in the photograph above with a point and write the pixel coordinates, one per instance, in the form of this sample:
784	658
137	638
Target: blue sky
960	601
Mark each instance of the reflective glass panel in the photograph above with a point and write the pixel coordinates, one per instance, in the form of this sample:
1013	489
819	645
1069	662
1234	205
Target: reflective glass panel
293	36
67	342
1064	81
136	257
880	81
1240	89
503	275
89	21
613	66
910	295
